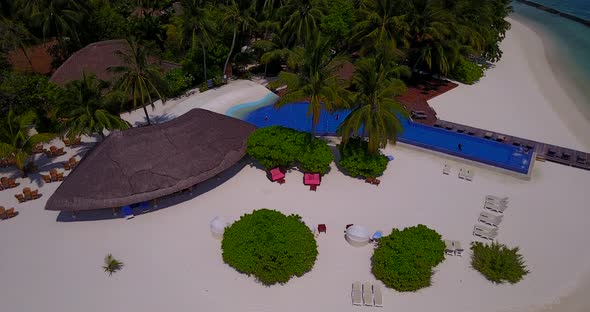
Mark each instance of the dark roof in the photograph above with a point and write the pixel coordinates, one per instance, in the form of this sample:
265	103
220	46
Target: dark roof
39	56
145	163
96	58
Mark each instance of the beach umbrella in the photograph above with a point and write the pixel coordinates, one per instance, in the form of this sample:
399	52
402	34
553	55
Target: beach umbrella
218	225
358	234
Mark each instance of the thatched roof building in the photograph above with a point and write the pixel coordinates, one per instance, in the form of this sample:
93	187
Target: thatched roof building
97	58
145	163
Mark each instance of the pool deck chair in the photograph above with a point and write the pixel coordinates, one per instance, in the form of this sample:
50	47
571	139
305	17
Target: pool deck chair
496	199
458	249
469	175
357	298
494	207
485	232
449	249
446	169
461	173
377	297
127	212
368	294
490	219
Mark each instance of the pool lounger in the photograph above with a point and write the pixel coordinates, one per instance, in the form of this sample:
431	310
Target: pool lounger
469	175
449	248
357	298
484	228
447	169
484	235
461	173
458	248
488	219
368	294
492	198
377	297
499	208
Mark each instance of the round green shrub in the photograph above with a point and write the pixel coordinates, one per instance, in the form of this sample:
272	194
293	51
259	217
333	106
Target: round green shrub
498	263
356	160
467	72
278	146
404	259
316	157
269	245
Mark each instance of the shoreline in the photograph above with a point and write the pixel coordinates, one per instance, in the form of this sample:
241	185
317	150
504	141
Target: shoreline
556	12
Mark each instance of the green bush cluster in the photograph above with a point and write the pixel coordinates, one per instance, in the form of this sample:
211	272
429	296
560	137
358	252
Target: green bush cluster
270	246
278	146
404	259
467	72
498	263
178	81
356	160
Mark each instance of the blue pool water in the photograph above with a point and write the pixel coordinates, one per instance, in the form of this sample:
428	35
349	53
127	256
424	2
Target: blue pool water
473	148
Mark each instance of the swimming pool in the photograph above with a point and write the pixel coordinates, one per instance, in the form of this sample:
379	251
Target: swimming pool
440	140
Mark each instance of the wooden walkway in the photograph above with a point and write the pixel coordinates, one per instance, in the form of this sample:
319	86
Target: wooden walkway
557	154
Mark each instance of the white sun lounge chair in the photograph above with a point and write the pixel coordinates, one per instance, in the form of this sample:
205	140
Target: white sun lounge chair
357	297
368	294
484	228
484	234
497	199
489	219
458	248
499	208
449	248
447	169
469	175
461	173
378	298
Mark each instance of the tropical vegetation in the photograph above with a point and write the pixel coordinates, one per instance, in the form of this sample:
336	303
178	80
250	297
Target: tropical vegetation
498	263
404	260
357	161
111	265
278	146
270	246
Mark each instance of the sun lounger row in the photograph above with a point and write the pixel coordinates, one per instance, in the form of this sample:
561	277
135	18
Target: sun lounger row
466	174
7	183
27	194
368	294
70	164
453	248
485	232
489	219
74	142
7	213
54	151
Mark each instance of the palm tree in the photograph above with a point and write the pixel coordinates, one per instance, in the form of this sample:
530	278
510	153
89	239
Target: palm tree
17	140
317	79
197	26
240	17
86	110
55	17
383	27
272	50
14	35
139	79
302	19
374	108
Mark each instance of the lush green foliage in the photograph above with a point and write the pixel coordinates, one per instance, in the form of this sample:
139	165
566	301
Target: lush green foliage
270	246
404	259
338	21
357	161
178	82
498	263
467	72
111	265
316	156
284	147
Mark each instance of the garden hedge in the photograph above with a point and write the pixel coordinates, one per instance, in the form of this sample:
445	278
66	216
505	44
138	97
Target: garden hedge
467	72
270	246
356	160
404	259
498	263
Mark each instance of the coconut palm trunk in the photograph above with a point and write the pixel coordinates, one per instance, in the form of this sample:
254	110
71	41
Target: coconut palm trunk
204	60
231	49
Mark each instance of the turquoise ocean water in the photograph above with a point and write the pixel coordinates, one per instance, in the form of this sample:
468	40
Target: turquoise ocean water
568	44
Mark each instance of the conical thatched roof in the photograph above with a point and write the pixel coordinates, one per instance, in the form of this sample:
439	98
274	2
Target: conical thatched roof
141	164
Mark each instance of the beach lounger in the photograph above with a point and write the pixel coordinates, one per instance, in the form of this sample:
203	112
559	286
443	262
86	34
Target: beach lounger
495	207
458	248
501	138
10	213
368	294
492	198
127	212
484	232
489	219
446	169
488	135
377	297
20	198
357	298
449	248
469	175
461	173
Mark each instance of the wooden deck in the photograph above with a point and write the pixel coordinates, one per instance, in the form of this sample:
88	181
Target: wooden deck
417	96
545	152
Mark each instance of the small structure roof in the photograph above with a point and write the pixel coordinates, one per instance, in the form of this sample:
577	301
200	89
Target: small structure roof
145	163
96	58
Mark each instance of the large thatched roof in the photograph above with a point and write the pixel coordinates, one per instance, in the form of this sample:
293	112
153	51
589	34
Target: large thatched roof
97	58
141	164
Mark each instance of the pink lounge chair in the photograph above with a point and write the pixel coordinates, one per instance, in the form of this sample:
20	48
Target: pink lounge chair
277	175
312	179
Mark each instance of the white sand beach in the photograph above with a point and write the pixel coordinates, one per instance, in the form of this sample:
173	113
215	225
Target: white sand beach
172	262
